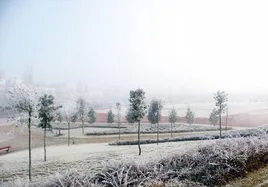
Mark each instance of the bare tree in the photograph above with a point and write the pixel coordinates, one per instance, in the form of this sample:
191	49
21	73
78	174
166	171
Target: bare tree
154	114
81	111
226	119
70	116
46	113
110	117
221	102
137	109
214	117
190	116
118	107
23	99
172	118
91	115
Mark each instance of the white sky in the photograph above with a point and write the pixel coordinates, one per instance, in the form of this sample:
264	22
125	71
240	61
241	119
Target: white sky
170	45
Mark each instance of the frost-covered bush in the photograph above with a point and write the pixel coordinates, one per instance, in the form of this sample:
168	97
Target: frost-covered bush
152	141
163	128
230	134
209	165
69	178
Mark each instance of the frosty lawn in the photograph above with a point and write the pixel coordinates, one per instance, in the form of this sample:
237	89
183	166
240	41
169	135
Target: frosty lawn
81	157
214	163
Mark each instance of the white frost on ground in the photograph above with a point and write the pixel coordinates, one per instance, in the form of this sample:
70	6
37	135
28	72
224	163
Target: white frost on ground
84	156
78	132
165	127
6	137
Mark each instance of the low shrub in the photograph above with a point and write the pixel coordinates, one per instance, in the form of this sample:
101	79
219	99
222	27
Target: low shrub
164	128
211	165
61	127
230	134
145	132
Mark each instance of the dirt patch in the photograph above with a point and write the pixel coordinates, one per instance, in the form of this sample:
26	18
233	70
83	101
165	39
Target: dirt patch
251	119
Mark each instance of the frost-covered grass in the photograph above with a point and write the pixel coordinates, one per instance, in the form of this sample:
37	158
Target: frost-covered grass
64	125
6	137
212	164
231	134
102	129
82	157
152	129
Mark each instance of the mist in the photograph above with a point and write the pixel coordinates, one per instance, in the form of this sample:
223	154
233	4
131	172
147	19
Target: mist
160	46
79	78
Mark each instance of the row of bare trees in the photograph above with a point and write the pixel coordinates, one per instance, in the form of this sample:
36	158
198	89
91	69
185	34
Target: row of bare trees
138	109
79	111
24	99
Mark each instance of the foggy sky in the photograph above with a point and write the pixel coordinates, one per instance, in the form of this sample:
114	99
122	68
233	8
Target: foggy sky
169	45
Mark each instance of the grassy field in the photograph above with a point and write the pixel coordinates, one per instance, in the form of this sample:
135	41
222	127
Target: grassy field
90	153
17	137
82	157
257	178
93	158
86	148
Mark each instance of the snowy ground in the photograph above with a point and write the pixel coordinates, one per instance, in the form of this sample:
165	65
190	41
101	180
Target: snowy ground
83	157
17	137
4	121
6	137
144	128
78	132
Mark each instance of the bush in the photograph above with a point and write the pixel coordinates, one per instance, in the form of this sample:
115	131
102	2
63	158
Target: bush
231	134
164	128
211	165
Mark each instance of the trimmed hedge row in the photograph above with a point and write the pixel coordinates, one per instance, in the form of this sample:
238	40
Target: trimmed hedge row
231	134
151	132
211	165
89	126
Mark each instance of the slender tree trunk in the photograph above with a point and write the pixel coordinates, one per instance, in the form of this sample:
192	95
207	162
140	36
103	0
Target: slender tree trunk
83	130
119	130
139	146
220	125
157	133
30	147
171	134
45	151
226	120
68	133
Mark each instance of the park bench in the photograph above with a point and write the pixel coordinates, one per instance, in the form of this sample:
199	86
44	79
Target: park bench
5	148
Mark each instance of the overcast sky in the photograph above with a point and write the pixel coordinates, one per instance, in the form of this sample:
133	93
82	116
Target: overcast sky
172	45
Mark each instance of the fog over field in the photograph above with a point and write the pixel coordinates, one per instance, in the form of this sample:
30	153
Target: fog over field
178	51
86	84
114	46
